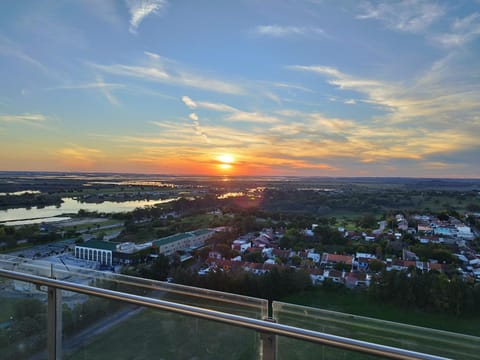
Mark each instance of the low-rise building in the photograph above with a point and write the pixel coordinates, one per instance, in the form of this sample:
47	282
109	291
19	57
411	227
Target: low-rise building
96	250
183	241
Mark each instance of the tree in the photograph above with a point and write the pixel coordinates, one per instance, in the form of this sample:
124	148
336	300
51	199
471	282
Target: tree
341	266
255	257
160	267
376	266
367	221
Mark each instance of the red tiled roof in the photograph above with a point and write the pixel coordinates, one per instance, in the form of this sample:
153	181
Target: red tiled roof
334	258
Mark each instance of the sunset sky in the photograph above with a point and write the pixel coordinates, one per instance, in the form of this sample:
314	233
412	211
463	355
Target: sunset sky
245	87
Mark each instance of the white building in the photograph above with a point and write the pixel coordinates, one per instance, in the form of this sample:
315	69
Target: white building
94	250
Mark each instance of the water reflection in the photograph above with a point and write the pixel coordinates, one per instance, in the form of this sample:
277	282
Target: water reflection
70	206
23	192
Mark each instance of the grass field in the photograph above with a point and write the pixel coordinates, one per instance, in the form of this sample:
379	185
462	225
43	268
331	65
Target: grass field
158	335
359	304
6	310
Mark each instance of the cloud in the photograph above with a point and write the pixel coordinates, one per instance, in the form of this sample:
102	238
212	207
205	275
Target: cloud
93	85
285	31
76	156
440	96
147	73
189	102
104	87
252	117
198	129
162	70
413	16
140	9
235	114
434	114
462	31
29	118
291	86
350	102
216	106
9	48
152	55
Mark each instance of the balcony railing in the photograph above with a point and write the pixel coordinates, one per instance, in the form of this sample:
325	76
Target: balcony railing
52	311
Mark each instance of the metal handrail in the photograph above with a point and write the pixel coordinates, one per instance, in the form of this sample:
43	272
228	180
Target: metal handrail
231	319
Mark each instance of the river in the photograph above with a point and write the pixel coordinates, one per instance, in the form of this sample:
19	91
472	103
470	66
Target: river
69	206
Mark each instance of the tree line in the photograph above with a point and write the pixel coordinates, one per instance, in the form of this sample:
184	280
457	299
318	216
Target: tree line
431	291
272	285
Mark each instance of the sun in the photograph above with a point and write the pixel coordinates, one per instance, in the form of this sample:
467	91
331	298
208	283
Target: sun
226	158
225	162
225	166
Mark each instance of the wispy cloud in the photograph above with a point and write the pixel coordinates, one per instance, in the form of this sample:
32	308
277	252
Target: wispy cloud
77	156
93	85
293	86
217	107
403	15
253	117
162	70
463	31
140	9
99	84
429	97
234	114
422	117
9	48
28	118
189	102
285	31
198	129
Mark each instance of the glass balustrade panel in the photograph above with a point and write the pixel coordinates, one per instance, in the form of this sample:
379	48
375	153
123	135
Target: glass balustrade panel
414	338
23	320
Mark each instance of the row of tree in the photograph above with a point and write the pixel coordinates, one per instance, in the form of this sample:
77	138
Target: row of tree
432	291
273	285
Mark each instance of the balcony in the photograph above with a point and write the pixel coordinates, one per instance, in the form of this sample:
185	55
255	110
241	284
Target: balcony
54	311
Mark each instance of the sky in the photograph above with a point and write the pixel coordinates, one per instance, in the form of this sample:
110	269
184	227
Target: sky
245	87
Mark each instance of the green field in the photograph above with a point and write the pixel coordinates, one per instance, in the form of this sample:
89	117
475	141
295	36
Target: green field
159	335
6	310
358	303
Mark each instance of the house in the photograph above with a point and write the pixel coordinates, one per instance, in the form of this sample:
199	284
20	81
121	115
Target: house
282	254
241	245
328	260
316	276
464	232
425	228
314	257
362	261
430	239
356	279
409	255
267	252
334	275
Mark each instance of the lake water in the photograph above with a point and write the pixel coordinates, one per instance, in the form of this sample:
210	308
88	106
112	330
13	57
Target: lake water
70	205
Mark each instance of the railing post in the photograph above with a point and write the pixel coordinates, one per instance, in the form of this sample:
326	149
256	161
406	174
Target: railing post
54	322
269	344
